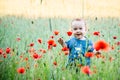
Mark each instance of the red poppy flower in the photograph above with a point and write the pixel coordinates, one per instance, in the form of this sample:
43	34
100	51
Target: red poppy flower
35	56
118	43
4	55
26	59
101	45
52	37
50	47
69	33
31	44
31	50
43	51
51	42
54	45
1	51
8	50
114	37
18	39
39	40
96	33
112	47
86	70
56	32
55	63
65	49
40	56
21	56
21	70
66	52
89	54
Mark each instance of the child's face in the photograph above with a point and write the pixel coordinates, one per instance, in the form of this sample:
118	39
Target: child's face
78	29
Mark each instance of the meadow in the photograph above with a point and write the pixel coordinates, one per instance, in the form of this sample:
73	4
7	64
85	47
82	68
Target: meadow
25	54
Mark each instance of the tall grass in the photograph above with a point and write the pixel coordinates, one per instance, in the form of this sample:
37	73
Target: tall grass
29	30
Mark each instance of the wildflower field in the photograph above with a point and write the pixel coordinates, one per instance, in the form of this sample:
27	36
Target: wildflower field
29	49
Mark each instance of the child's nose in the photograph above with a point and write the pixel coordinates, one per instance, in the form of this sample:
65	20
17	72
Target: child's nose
78	30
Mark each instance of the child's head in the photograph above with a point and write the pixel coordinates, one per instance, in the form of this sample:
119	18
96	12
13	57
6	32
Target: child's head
78	28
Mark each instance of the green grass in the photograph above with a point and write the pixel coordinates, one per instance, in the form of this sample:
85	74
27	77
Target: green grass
29	30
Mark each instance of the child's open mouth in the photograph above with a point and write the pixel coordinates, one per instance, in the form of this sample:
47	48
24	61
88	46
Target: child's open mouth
78	34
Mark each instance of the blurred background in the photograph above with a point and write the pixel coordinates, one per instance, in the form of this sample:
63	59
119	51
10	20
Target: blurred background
60	8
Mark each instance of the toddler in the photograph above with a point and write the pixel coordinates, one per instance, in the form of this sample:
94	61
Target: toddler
78	44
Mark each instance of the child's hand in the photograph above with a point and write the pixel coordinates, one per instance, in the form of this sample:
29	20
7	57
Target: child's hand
61	41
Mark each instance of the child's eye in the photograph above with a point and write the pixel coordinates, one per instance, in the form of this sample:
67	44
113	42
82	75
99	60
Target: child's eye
80	28
75	28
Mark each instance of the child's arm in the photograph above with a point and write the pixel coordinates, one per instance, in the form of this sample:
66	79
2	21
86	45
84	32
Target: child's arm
61	41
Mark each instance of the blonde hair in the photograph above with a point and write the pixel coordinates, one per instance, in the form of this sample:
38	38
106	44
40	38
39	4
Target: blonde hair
78	22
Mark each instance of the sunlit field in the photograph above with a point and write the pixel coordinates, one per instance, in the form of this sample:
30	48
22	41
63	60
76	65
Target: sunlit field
25	53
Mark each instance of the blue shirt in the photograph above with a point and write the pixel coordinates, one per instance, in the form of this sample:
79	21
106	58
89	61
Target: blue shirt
79	47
